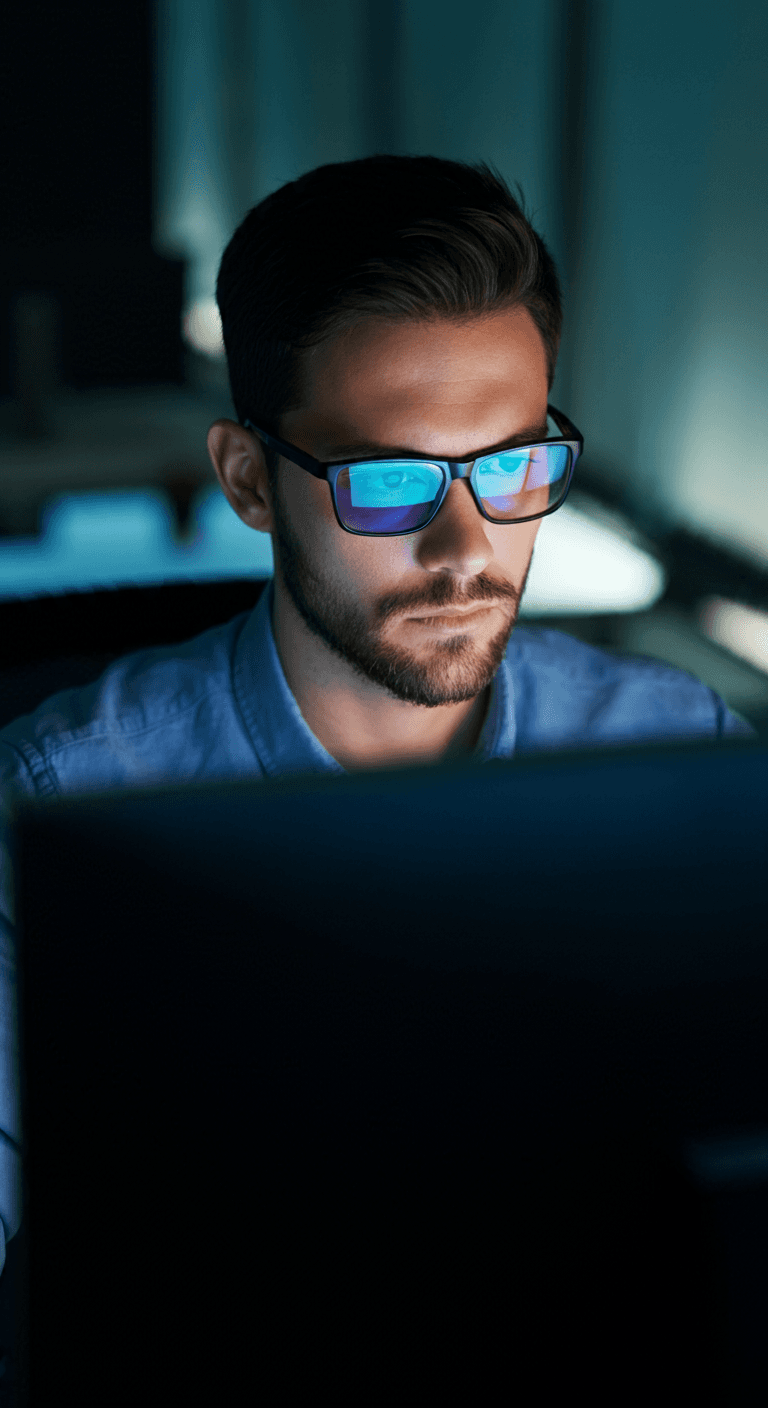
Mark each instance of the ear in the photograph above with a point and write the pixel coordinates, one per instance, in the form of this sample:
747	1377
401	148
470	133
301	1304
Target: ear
238	459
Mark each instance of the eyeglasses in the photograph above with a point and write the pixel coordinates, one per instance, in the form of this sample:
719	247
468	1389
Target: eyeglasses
389	497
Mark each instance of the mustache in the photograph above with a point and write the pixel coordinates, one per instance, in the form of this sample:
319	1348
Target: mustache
442	593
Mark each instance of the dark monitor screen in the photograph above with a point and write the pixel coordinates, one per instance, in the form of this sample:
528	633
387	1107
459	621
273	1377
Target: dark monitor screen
384	1080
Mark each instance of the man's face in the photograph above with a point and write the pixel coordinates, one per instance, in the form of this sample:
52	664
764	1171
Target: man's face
426	616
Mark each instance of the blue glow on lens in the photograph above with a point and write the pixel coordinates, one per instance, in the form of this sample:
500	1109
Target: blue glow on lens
500	475
393	484
516	472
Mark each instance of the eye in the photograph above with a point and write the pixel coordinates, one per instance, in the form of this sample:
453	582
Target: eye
398	478
394	485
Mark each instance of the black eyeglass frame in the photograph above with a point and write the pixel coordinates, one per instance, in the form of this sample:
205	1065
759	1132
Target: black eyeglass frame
452	469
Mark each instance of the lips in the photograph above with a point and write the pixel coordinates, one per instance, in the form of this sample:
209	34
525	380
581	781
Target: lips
455	615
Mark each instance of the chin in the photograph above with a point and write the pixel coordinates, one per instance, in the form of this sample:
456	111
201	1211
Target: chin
452	672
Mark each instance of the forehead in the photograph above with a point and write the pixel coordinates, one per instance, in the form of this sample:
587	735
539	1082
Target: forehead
458	367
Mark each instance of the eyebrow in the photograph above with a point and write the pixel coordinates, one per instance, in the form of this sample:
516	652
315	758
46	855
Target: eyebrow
363	448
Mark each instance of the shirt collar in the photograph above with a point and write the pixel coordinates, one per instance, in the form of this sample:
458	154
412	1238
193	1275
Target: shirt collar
497	737
284	742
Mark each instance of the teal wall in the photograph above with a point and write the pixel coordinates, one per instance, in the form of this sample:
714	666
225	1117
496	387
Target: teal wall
668	335
639	135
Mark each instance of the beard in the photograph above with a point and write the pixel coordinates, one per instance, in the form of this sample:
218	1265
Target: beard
456	669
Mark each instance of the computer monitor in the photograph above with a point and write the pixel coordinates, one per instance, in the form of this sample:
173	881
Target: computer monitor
377	1086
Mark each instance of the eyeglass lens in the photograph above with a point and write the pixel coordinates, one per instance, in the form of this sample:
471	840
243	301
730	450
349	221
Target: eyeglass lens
398	496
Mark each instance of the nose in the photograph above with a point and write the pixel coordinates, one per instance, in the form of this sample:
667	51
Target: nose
455	540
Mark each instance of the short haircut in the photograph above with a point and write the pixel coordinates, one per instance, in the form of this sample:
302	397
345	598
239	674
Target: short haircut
398	237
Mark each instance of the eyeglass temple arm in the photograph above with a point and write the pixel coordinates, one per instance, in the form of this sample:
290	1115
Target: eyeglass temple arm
567	428
289	452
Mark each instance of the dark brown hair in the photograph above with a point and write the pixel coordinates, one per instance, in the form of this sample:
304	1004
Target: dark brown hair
398	237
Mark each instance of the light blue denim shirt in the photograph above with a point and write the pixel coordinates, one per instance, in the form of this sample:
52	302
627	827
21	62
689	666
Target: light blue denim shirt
218	707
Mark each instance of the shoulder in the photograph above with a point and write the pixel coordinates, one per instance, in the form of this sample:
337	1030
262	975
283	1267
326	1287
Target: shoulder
568	693
148	715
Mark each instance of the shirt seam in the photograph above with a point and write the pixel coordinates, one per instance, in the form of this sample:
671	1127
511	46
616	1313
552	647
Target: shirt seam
43	781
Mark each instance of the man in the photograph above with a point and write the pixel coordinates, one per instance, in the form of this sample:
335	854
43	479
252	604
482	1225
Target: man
391	328
428	316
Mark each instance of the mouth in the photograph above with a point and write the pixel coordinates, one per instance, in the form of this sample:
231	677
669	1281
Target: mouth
457	616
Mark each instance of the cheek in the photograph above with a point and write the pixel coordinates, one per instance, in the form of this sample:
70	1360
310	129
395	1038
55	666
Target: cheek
357	566
307	509
373	565
365	566
513	545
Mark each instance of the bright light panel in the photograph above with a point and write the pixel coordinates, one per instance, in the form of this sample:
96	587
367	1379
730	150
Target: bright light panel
128	522
586	562
201	326
741	629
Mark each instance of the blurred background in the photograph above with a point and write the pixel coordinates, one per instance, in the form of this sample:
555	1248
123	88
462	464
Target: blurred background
136	137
